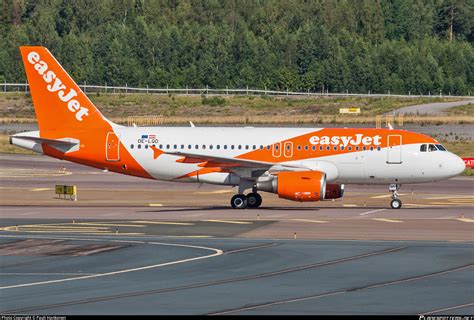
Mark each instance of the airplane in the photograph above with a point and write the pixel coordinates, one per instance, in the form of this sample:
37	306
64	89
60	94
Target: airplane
299	164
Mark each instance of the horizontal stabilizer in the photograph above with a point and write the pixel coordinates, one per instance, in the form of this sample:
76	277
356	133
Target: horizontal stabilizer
63	145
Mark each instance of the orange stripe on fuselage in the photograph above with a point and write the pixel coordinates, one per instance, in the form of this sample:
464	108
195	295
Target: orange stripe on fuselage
351	134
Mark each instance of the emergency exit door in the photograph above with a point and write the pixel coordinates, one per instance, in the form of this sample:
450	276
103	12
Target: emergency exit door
112	147
394	149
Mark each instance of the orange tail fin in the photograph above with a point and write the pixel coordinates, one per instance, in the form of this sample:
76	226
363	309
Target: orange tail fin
60	104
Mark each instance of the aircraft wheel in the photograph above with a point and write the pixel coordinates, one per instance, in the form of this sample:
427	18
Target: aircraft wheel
254	200
239	201
396	204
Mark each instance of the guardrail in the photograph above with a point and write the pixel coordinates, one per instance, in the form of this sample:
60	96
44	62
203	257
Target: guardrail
23	87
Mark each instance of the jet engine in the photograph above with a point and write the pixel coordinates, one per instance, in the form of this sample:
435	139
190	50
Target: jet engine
334	191
296	185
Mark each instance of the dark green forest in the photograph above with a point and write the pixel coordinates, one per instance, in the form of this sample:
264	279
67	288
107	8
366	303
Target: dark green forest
401	46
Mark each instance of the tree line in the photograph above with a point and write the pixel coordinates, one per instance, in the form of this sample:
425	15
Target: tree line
381	46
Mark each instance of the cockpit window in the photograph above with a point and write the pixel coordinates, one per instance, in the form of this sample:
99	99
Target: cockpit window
440	147
423	148
432	147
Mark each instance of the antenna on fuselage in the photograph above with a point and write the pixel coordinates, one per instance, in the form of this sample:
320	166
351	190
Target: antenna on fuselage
389	126
192	124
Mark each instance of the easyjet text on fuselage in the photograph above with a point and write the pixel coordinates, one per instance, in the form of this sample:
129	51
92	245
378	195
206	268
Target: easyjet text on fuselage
344	141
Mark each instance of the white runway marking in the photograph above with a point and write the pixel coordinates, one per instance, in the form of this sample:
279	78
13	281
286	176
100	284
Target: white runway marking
44	274
313	221
386	196
372	211
449	308
166	222
228	221
218	252
387	220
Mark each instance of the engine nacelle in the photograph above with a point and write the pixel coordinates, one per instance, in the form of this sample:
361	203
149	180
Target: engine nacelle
334	191
296	185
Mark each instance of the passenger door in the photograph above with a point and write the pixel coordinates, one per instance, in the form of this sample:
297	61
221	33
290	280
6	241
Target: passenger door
112	147
394	149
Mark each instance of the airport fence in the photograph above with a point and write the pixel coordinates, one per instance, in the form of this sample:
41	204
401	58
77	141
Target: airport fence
23	87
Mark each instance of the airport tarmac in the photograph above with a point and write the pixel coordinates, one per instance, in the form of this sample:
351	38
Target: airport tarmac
135	246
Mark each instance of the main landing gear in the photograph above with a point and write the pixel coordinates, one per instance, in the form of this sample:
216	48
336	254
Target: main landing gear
395	203
251	200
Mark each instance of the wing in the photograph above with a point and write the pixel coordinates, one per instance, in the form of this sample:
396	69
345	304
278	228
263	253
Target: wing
215	161
246	168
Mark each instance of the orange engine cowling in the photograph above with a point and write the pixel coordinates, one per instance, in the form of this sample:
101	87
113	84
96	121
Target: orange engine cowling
334	191
301	185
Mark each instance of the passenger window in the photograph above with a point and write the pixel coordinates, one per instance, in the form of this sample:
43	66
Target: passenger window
254	147
379	148
182	146
364	148
197	146
432	147
371	148
335	148
146	146
268	147
190	146
277	147
320	148
328	148
131	146
342	148
357	148
203	146
218	147
246	147
423	148
306	148
314	148
139	146
349	148
261	147
160	146
225	147
299	147
210	147
167	146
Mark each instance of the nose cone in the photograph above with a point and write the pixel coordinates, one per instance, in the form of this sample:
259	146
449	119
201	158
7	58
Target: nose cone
456	165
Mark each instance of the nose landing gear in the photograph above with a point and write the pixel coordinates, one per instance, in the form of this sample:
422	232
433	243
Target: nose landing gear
395	203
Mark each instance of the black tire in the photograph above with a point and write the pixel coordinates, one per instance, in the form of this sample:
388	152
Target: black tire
239	201
254	200
396	204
